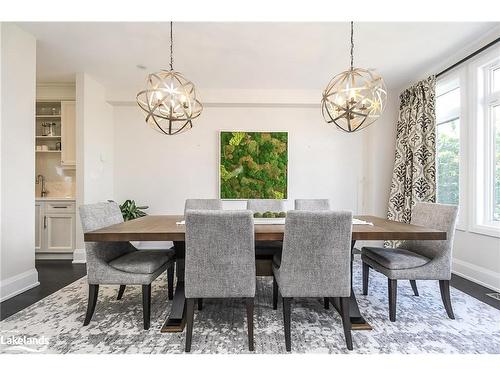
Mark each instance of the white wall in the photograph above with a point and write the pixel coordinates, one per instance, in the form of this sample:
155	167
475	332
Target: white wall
18	76
163	171
94	148
379	157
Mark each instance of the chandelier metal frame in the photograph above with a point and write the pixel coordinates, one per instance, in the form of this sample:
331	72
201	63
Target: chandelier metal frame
169	101
355	98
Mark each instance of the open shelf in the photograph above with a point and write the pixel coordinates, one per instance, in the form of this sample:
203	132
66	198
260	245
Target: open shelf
45	151
48	136
48	116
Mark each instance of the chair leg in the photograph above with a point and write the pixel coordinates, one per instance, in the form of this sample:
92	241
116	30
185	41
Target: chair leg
346	320
189	322
366	274
93	291
200	304
413	284
393	292
287	310
120	292
444	286
249	302
170	281
275	294
146	305
326	303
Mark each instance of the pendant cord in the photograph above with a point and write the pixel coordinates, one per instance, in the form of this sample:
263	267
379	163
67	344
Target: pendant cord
352	45
171	48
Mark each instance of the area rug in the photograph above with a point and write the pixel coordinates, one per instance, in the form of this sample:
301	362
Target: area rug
54	324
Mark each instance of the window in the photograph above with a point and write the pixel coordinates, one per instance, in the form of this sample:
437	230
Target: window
486	205
468	142
496	121
448	141
496	79
491	76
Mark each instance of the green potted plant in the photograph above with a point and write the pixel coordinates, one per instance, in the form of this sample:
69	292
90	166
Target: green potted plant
131	211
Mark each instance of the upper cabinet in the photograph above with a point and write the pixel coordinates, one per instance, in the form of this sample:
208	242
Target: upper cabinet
68	134
56	132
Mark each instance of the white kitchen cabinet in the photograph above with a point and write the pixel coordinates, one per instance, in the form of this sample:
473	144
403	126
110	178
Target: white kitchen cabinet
60	236
38	226
68	134
56	226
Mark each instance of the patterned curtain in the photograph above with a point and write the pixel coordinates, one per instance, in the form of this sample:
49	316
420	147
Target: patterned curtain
414	177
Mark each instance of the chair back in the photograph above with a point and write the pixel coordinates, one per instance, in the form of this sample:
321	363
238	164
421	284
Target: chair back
316	254
312	204
203	204
99	254
220	254
100	215
436	216
264	205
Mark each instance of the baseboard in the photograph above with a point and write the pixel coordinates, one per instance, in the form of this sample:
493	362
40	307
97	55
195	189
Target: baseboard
54	256
18	284
477	274
79	256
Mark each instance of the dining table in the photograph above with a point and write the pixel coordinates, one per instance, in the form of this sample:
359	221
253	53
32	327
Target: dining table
169	228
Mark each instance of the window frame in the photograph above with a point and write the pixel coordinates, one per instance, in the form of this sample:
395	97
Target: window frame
476	162
491	100
458	76
481	162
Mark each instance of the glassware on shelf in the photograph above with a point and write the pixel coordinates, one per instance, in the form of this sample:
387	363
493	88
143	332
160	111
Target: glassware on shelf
49	129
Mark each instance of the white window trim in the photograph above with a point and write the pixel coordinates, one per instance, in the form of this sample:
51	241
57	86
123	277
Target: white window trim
460	76
491	100
476	141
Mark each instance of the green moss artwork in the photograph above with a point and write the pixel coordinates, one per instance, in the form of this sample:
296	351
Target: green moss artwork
253	165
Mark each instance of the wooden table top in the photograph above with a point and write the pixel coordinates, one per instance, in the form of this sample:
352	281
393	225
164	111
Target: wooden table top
164	228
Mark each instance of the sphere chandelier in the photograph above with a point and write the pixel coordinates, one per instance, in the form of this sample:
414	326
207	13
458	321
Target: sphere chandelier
354	98
169	100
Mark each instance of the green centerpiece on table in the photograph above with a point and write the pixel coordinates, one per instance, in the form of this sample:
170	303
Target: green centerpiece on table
269	215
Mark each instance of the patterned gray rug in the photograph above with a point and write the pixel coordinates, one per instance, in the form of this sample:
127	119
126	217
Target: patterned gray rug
54	324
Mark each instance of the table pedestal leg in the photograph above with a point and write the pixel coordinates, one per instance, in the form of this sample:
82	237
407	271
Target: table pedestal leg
177	319
357	320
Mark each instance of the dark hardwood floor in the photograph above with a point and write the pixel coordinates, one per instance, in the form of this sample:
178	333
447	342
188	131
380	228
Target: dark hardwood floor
475	290
56	274
52	275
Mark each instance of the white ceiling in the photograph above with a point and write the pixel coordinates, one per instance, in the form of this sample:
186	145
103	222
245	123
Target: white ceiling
245	55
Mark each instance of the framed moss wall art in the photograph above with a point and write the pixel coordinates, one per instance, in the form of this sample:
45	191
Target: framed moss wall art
253	165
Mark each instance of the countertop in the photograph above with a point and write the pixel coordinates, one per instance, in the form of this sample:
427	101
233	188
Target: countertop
54	199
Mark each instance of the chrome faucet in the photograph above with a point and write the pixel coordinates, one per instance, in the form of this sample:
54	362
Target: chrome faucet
41	178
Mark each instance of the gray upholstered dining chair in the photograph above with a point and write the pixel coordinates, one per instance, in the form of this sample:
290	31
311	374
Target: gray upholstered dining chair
120	263
220	261
312	204
315	262
263	205
203	204
417	260
266	249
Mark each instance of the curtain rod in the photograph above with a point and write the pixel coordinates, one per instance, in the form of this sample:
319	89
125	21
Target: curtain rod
468	57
